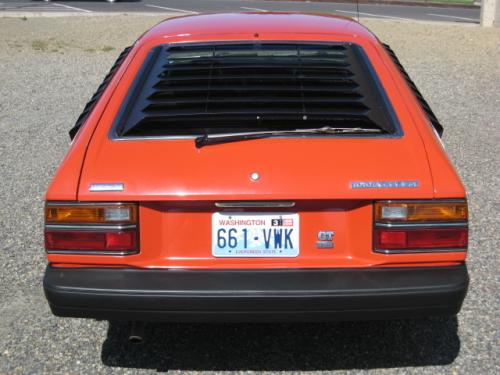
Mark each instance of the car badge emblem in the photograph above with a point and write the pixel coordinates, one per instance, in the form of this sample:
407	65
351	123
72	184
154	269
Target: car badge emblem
384	184
325	239
101	187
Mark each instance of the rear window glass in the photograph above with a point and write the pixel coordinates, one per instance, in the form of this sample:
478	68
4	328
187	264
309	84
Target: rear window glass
198	89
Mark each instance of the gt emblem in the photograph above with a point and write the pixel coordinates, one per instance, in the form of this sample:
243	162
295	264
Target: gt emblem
325	239
326	235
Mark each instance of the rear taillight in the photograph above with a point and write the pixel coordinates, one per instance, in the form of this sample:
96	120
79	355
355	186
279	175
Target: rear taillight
91	228
420	226
420	211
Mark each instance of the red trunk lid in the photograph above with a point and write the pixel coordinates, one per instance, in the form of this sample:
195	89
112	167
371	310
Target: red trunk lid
304	168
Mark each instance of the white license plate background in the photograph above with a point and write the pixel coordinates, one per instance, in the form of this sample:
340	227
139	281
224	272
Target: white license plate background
254	235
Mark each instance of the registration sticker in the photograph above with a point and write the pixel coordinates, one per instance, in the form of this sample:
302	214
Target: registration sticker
255	235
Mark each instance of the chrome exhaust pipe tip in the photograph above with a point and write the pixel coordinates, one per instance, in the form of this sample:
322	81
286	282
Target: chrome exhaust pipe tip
134	339
136	333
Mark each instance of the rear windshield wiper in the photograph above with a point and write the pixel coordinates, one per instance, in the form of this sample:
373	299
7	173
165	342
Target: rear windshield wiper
214	139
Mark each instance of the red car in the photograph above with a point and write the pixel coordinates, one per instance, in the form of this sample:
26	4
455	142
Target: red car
256	167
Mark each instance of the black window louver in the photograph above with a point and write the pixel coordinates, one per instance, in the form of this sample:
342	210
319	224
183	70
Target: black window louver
95	98
194	89
425	106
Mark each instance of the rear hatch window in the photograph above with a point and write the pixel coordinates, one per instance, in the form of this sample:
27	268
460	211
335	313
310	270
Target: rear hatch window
200	89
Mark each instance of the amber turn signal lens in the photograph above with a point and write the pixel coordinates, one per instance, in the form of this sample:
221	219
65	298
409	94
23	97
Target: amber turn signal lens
424	211
98	214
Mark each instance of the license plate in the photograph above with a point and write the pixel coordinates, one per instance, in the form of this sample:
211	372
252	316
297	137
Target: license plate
255	235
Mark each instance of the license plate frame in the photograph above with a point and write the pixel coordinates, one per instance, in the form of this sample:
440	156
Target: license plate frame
268	235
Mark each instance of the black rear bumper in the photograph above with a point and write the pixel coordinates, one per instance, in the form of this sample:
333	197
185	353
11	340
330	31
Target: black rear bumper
255	295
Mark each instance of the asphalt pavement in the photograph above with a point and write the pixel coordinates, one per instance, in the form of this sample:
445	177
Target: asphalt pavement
382	11
49	68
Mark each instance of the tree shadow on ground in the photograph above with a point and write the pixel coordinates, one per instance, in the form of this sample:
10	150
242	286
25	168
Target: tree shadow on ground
285	347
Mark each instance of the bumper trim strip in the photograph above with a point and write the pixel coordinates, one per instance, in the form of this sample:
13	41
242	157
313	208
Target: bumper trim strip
255	295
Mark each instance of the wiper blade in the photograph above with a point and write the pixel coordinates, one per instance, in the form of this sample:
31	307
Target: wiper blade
214	139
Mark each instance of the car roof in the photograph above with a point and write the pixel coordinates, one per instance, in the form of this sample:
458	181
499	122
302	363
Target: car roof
257	24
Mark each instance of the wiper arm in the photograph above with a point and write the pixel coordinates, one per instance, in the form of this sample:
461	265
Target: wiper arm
207	140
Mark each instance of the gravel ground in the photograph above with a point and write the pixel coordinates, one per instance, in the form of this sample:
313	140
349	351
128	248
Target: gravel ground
49	68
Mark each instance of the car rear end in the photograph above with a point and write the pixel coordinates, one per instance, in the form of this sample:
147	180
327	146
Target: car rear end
279	179
311	265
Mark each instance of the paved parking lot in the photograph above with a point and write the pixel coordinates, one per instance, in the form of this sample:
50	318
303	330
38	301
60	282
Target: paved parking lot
382	11
49	67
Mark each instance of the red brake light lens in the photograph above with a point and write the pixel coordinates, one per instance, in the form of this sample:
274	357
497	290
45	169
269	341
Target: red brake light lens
415	239
119	241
